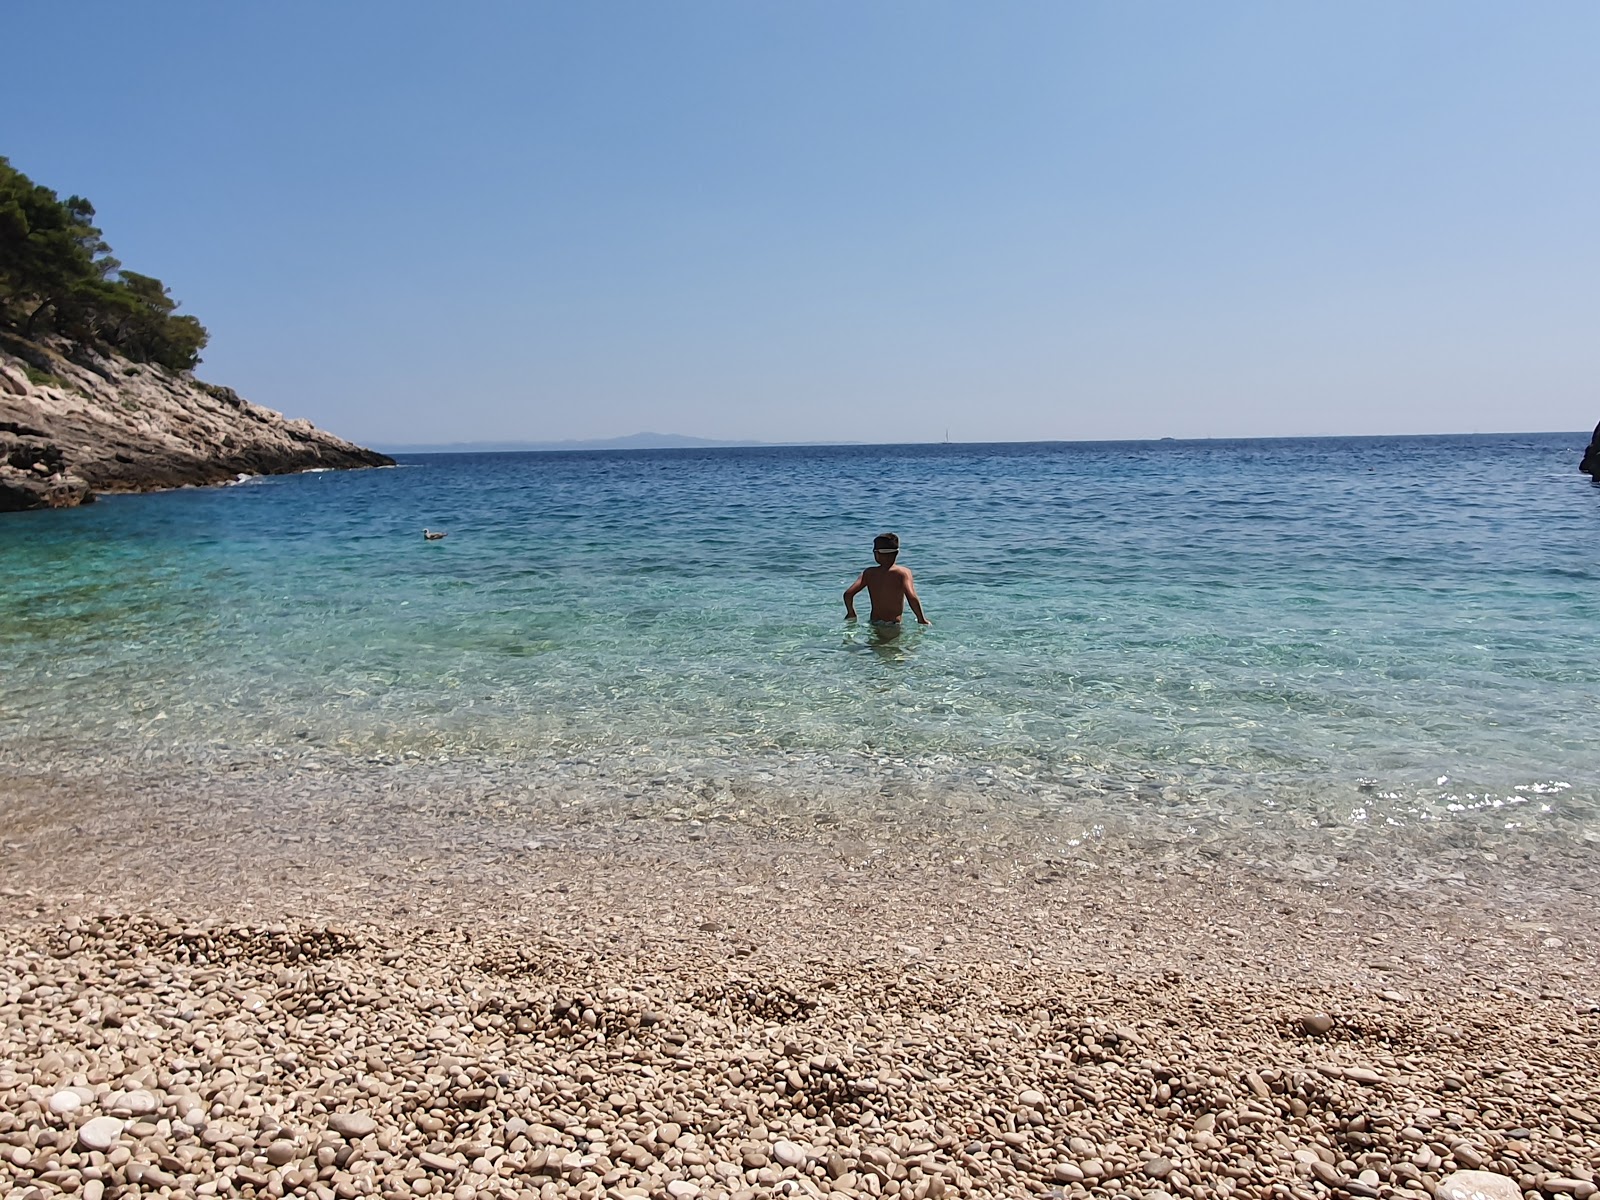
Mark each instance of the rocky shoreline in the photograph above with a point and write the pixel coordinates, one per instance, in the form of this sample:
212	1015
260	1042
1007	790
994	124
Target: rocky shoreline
74	422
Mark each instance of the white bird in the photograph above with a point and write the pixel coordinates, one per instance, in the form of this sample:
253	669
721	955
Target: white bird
433	535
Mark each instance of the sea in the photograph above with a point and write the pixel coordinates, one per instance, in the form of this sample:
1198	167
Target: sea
1365	641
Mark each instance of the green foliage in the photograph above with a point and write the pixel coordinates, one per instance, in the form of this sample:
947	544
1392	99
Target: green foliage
40	378
57	276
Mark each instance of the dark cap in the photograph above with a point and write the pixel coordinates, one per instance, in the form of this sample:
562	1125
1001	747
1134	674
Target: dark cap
886	543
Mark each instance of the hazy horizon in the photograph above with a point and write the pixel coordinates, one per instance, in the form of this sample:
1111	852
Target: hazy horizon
831	224
668	442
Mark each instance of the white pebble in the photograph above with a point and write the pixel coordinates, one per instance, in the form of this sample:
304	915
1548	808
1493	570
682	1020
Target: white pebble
100	1134
1478	1185
64	1102
787	1154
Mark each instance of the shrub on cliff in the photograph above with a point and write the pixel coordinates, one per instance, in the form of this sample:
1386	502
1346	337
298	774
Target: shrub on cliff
57	275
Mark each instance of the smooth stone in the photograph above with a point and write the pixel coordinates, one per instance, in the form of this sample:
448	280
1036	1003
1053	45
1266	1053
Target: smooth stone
352	1125
156	1177
1468	1155
682	1189
1478	1185
101	1133
282	1152
1572	1187
1031	1099
64	1102
1158	1168
1316	1024
787	1154
1065	1172
137	1103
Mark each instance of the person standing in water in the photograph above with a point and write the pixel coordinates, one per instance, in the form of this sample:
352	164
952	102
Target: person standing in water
889	585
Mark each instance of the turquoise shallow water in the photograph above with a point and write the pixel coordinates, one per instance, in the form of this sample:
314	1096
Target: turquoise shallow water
1373	633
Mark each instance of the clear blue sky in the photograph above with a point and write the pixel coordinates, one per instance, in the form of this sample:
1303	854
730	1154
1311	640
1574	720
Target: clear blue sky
858	221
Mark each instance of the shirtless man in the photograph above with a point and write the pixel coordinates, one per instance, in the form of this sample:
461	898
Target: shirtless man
890	586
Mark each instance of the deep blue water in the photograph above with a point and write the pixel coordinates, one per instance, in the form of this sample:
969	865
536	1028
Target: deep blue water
1382	631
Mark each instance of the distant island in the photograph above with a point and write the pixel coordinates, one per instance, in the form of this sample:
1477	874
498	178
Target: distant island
632	441
96	386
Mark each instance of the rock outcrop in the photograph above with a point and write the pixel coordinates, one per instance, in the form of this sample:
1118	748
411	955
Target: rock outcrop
1591	456
74	422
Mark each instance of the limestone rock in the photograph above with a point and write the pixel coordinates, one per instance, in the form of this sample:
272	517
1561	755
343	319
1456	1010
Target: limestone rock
73	422
1591	456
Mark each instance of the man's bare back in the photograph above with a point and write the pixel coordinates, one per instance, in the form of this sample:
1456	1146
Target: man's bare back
890	586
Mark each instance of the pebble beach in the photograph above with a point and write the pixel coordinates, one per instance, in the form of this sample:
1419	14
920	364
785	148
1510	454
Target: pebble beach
703	1012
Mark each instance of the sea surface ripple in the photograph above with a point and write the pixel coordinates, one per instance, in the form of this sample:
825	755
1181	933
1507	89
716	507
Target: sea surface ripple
1372	634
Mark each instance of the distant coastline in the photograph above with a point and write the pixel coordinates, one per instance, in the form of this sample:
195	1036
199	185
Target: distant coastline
632	441
677	441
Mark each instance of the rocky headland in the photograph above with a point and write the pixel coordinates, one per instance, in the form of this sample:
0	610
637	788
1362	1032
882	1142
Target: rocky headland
1591	457
75	420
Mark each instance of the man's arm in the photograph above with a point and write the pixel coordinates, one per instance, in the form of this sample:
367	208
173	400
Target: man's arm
850	596
911	597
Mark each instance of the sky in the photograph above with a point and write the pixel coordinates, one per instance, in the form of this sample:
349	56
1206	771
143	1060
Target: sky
830	221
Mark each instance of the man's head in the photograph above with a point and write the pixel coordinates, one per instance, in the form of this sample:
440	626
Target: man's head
885	547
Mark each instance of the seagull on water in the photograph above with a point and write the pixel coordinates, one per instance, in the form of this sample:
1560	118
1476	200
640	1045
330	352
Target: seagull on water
433	535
